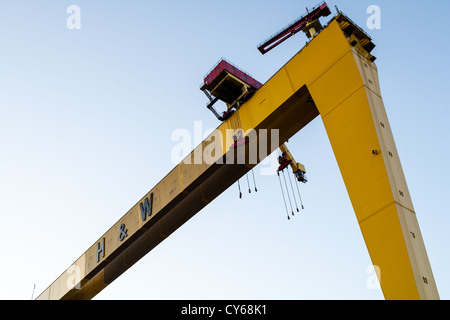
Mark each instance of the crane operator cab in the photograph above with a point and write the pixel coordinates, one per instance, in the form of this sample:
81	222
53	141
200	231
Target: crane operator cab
229	84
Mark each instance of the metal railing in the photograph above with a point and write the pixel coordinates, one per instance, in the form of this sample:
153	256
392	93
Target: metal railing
289	25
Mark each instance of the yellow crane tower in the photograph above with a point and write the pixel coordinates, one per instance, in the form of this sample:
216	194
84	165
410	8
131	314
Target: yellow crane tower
333	76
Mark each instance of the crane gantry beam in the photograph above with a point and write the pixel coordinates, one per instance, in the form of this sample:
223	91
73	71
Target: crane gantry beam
333	76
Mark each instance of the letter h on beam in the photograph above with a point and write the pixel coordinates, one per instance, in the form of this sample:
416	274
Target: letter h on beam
101	249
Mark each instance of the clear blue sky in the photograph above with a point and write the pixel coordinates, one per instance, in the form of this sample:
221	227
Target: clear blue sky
86	118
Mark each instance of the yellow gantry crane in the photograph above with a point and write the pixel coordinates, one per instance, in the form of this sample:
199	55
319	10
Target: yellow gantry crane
333	76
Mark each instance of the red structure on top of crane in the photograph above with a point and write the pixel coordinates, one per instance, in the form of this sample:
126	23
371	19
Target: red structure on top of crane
219	71
304	23
229	84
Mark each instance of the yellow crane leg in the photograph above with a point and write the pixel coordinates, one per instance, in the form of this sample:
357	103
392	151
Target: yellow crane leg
334	76
358	128
343	82
348	97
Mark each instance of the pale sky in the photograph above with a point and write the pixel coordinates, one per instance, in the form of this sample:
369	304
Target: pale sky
86	118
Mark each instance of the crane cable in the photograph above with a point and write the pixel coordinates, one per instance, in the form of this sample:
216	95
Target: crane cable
284	199
301	202
248	183
254	182
239	186
287	191
293	194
